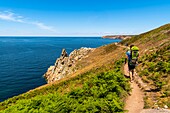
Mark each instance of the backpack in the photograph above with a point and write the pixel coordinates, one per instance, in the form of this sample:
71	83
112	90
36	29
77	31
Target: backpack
134	54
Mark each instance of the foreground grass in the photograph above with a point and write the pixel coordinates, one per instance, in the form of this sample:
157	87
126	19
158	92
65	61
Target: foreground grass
103	92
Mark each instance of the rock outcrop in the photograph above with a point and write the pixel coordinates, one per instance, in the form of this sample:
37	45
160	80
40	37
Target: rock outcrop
65	65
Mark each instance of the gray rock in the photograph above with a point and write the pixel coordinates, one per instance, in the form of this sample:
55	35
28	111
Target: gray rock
65	65
64	53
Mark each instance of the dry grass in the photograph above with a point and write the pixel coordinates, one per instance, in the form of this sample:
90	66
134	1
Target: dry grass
104	56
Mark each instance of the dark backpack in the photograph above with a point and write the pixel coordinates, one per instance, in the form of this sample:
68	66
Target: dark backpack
134	54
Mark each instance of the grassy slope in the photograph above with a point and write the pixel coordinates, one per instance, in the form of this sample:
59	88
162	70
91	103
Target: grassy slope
97	86
154	64
103	60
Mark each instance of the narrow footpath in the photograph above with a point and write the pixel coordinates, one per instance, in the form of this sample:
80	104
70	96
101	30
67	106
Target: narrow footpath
134	103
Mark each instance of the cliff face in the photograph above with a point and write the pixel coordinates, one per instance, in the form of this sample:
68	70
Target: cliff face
65	65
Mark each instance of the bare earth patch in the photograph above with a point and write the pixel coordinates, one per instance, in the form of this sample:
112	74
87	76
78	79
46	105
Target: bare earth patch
135	103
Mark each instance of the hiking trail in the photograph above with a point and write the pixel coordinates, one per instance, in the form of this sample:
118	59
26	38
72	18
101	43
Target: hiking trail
134	103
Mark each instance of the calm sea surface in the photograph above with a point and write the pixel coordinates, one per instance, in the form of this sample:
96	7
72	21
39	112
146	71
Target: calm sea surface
23	60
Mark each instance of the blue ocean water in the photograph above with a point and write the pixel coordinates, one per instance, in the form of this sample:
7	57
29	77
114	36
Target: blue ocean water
23	60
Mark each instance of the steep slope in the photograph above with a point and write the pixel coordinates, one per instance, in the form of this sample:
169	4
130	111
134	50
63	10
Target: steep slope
95	87
155	70
98	85
154	65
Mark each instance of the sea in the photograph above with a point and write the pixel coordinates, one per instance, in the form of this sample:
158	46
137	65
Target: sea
24	60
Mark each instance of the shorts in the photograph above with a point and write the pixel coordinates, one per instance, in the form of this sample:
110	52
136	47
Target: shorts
131	67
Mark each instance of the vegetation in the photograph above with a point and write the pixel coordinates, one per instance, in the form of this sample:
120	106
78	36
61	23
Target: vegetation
153	36
155	70
101	86
103	92
154	64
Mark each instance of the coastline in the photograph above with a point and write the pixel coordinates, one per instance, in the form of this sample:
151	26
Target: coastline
121	37
27	59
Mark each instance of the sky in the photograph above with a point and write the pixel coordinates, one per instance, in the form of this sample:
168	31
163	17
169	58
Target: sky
81	17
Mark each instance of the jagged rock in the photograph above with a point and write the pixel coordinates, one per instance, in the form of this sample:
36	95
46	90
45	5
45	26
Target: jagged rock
65	65
64	53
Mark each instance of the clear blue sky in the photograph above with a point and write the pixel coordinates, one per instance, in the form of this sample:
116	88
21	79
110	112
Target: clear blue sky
81	17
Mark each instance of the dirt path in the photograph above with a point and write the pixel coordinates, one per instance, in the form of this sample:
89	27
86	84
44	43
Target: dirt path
134	103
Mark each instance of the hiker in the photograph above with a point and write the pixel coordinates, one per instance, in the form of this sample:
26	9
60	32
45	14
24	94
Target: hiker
132	57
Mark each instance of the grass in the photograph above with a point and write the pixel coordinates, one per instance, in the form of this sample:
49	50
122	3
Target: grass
98	83
155	68
154	64
89	92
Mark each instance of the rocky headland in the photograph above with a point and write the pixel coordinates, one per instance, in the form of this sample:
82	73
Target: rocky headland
66	64
122	37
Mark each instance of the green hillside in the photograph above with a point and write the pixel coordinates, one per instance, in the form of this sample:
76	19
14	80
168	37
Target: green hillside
99	85
154	64
89	92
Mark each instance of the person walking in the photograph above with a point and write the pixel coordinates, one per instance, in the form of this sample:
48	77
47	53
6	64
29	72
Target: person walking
132	58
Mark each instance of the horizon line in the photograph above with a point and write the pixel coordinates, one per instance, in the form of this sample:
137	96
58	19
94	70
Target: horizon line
65	35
